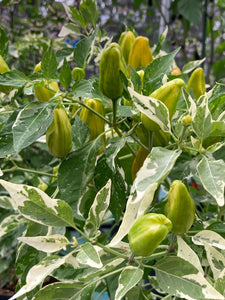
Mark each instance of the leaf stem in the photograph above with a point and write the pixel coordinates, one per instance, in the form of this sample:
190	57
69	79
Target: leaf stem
109	250
152	257
16	168
101	293
88	107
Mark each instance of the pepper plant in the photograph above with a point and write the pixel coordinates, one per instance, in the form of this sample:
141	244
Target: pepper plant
72	213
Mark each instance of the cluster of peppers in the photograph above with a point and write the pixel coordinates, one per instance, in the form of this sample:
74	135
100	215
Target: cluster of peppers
149	230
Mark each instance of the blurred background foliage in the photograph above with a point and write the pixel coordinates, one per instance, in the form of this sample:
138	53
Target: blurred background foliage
197	26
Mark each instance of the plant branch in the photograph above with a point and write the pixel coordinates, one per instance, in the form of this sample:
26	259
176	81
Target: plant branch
16	168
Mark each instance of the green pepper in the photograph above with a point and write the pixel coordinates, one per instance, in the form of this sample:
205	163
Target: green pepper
169	93
59	134
140	53
147	233
96	124
46	92
126	42
78	74
197	83
111	63
180	208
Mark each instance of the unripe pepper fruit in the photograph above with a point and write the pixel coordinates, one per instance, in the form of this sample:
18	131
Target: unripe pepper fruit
78	74
140	54
96	124
187	120
126	42
111	63
180	208
45	93
4	68
59	134
197	83
169	93
147	233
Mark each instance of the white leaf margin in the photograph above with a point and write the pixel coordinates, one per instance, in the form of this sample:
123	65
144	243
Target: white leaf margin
48	244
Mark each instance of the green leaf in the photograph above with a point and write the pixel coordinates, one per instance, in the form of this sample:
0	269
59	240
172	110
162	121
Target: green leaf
161	40
83	50
218	128
6	135
49	64
178	277
65	76
191	65
66	291
31	123
185	8
4	43
13	78
156	69
217	101
80	166
89	256
89	11
212	175
80	132
64	52
37	206
90	89
136	79
153	108
125	111
156	168
98	210
202	120
129	277
137	3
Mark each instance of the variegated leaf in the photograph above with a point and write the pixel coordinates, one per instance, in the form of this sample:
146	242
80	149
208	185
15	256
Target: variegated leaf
49	243
212	175
209	237
89	256
37	206
216	260
180	278
9	223
185	252
129	277
156	168
39	272
153	108
98	209
202	120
